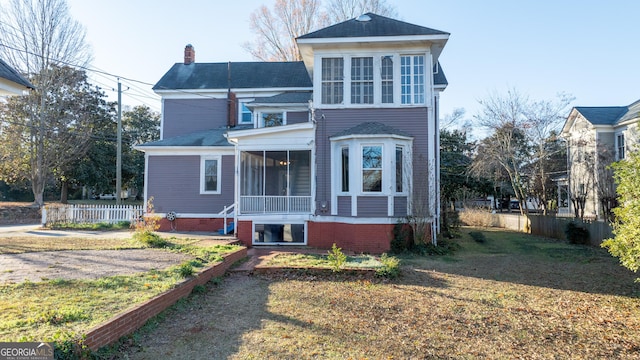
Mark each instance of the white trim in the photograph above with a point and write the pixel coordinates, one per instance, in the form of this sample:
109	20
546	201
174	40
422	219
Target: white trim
203	160
276	222
374	39
241	102
223	93
359	220
236	134
185	150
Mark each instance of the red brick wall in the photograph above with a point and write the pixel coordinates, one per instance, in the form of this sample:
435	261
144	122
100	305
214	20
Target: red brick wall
193	224
245	232
131	320
358	238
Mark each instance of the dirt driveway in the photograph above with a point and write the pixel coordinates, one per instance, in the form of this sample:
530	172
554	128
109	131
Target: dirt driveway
83	264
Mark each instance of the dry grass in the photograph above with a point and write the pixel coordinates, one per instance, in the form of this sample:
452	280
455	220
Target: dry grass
515	296
17	245
478	217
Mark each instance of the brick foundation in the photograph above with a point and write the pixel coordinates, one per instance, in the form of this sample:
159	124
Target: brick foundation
193	224
358	238
245	232
131	320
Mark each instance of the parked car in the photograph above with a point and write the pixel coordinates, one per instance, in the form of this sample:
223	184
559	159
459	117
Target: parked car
111	196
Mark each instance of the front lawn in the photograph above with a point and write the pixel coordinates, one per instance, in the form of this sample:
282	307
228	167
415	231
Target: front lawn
513	296
59	309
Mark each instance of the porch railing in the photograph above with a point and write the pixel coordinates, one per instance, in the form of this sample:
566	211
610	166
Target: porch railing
275	204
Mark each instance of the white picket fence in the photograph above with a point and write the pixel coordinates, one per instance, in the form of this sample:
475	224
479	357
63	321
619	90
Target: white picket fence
82	214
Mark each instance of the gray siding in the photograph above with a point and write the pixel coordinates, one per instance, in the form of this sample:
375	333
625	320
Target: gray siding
297	117
185	116
400	206
412	121
344	205
372	206
175	185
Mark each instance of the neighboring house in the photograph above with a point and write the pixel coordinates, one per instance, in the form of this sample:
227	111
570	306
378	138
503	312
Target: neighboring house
596	137
337	148
11	82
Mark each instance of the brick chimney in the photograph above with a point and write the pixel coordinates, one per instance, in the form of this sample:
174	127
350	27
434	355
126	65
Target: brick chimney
189	54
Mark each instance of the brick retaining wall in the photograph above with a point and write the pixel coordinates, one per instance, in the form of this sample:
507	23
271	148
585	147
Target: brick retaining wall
129	321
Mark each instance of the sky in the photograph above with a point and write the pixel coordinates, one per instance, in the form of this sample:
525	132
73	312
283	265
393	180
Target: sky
585	48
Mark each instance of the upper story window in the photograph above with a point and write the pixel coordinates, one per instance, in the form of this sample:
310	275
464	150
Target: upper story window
620	146
272	119
245	116
362	80
332	80
386	76
382	79
412	73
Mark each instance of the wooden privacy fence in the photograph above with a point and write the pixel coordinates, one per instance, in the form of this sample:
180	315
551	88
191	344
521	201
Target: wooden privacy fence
554	227
82	214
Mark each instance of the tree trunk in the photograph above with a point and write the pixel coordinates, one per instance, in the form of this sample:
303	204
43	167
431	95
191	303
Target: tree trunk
64	192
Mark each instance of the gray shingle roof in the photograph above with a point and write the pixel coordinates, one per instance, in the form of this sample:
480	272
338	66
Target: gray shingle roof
377	26
301	97
602	115
213	137
11	74
438	76
243	75
371	128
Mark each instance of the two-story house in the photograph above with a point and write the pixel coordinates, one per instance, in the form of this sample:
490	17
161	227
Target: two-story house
337	148
597	136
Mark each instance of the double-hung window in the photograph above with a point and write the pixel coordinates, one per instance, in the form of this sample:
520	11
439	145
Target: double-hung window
210	175
273	119
362	80
372	168
412	79
620	146
386	72
332	80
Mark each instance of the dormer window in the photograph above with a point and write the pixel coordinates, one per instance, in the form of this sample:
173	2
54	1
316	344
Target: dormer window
269	119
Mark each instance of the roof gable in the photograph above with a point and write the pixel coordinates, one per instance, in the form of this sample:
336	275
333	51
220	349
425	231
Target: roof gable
235	75
377	26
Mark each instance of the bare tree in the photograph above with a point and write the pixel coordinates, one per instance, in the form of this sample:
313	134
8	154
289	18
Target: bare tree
276	29
35	36
507	147
341	10
543	121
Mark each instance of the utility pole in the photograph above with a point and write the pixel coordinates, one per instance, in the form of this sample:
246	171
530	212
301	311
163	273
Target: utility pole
119	151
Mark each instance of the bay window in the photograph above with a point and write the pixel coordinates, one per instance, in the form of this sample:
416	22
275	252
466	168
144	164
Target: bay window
371	168
365	165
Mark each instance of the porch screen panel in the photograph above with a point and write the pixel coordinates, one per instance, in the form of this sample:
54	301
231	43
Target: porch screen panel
252	173
300	173
276	181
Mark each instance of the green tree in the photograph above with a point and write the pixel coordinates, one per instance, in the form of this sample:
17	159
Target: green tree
626	226
73	108
42	36
139	126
